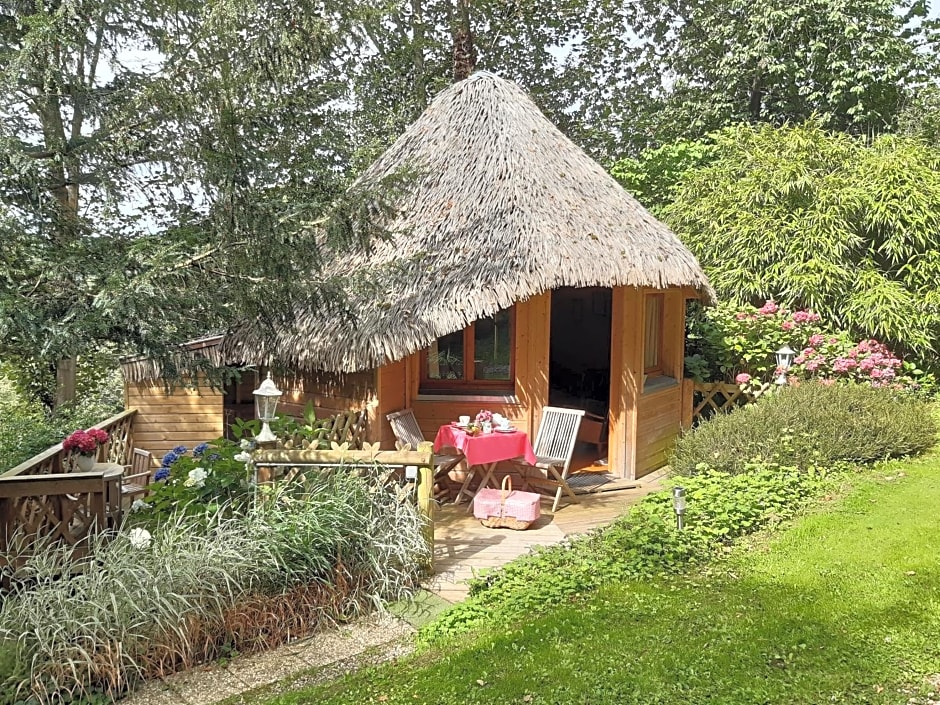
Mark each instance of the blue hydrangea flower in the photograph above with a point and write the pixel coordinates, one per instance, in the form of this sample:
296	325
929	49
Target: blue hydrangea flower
170	458
200	449
161	474
212	457
180	450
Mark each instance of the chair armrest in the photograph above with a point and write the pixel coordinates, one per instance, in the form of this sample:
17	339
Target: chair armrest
129	478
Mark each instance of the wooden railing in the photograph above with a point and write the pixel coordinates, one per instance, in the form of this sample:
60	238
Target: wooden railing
391	466
59	508
704	399
54	460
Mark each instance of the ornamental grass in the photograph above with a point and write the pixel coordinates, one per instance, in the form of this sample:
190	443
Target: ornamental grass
153	601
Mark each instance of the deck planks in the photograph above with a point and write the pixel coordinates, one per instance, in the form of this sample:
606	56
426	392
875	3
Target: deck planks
463	546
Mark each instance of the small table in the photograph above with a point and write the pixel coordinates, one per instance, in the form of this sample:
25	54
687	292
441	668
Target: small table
483	452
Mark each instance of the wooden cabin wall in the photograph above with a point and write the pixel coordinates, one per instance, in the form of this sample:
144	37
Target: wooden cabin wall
182	416
626	378
659	412
330	393
398	382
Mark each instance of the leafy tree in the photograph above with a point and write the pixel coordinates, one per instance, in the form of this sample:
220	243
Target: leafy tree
161	165
821	220
653	177
704	65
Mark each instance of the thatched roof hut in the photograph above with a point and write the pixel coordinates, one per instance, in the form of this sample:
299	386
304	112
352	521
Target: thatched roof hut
501	206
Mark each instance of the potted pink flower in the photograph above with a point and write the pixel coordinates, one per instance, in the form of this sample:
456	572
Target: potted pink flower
84	446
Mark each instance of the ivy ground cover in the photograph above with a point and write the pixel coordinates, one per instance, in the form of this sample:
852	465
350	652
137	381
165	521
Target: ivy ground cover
843	606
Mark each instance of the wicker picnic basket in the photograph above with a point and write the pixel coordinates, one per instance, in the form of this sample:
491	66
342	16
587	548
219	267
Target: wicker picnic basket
505	508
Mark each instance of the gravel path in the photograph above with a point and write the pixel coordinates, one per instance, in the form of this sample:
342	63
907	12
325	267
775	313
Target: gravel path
320	657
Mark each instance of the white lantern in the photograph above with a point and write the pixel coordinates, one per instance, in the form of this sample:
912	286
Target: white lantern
784	362
266	398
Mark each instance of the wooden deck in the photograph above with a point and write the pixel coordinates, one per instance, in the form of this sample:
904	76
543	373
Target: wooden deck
463	546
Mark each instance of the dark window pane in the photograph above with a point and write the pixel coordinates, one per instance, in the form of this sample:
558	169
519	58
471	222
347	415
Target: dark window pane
445	358
492	347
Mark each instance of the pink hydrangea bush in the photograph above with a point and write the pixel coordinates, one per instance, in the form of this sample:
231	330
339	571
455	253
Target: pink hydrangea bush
741	344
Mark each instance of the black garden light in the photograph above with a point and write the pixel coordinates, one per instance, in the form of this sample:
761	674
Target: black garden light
678	504
266	398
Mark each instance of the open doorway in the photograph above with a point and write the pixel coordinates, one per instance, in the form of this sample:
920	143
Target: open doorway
579	364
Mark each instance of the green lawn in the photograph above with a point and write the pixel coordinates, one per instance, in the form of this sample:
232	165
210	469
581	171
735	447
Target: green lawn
842	607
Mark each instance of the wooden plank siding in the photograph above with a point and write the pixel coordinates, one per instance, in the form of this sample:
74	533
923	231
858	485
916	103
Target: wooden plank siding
658	426
184	415
330	393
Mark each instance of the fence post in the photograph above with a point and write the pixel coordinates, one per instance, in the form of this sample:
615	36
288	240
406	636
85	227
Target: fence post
425	502
687	400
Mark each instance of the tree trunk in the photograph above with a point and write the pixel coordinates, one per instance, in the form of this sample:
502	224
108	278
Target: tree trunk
465	53
64	381
418	37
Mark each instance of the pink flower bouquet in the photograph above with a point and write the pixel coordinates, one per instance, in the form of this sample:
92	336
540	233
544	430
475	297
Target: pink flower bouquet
85	442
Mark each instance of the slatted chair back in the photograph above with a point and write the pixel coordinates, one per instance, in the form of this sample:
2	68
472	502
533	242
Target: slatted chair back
138	475
405	427
558	432
554	448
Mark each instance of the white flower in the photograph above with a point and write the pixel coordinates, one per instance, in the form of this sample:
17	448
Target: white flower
139	538
243	457
245	444
140	505
196	477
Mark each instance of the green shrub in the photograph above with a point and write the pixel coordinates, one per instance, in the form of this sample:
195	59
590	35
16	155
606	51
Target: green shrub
186	591
810	425
27	429
643	544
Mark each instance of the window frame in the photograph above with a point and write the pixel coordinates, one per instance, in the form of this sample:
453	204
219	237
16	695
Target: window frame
469	383
659	330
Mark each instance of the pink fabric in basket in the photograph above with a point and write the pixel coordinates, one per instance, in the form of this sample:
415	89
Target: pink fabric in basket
523	506
487	447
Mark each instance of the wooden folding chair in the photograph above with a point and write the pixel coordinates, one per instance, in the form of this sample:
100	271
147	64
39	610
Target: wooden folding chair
406	430
554	448
138	475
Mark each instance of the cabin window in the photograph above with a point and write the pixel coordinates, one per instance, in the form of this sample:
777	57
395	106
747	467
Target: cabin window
653	336
478	358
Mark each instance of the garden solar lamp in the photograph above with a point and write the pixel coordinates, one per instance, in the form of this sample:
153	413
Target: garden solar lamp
266	399
784	361
678	504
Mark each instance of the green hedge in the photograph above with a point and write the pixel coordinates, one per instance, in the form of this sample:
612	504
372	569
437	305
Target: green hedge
810	425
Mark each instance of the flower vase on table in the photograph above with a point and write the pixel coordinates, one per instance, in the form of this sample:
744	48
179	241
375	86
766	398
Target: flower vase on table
85	463
84	447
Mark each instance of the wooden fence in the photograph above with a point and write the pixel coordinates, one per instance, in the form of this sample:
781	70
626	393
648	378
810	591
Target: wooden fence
55	460
704	399
390	468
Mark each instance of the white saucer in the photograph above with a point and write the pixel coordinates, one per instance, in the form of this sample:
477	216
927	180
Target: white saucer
504	430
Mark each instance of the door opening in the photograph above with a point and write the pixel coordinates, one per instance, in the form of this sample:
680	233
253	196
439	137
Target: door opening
579	363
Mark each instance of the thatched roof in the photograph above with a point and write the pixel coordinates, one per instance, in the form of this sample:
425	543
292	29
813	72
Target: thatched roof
501	206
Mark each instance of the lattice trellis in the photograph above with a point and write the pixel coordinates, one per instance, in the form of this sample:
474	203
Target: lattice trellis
714	397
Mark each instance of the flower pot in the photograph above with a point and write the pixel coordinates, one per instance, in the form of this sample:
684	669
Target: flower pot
85	463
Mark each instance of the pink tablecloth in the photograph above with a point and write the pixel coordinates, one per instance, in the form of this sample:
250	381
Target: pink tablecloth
486	448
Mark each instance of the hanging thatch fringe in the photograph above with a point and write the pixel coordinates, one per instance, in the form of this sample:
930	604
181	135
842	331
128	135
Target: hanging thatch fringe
502	207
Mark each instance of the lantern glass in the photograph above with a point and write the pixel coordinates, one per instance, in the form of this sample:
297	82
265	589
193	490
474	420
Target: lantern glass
785	357
266	398
678	500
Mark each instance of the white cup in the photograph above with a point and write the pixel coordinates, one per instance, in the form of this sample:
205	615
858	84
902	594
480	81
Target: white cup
504	425
464	420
